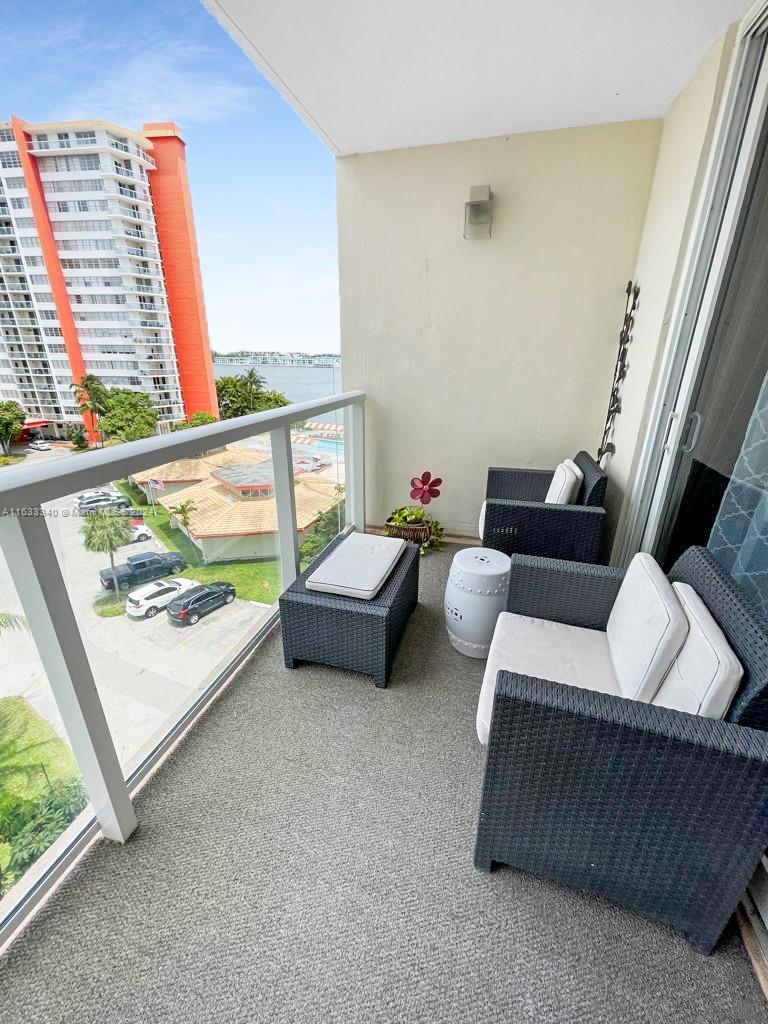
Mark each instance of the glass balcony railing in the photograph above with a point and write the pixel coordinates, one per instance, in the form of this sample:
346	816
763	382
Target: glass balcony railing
41	788
147	572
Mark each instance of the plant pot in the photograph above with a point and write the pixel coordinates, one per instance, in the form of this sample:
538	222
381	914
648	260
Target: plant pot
417	533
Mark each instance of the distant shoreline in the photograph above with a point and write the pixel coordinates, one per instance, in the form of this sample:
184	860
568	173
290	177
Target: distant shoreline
277	359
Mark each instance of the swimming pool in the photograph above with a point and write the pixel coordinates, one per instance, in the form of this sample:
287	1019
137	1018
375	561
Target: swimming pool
325	444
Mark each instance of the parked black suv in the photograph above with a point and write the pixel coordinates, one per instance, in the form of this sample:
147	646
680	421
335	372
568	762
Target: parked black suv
193	604
142	568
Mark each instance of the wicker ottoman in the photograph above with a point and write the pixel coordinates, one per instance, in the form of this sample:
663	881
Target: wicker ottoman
345	632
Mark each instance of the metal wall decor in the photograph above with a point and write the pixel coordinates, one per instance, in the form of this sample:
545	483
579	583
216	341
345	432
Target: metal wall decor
607	447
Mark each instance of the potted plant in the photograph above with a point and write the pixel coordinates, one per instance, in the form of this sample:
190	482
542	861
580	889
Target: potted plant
413	522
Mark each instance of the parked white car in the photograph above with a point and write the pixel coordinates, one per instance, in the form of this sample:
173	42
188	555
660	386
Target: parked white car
140	532
38	446
145	602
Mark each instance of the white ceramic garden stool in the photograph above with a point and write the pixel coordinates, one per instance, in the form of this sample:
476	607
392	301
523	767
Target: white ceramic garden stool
476	593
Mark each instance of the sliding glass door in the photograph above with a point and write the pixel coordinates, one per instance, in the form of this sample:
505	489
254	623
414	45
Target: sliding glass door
720	473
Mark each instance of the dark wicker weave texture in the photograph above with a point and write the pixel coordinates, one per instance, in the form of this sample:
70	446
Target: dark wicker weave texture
569	592
663	812
346	632
517	521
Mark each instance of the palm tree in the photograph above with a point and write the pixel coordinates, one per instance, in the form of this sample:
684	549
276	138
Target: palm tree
183	512
91	396
105	532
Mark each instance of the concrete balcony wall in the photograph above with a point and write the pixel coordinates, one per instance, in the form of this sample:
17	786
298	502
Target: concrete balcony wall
498	352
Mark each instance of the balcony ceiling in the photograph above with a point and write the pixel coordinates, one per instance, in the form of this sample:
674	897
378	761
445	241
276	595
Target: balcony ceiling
367	75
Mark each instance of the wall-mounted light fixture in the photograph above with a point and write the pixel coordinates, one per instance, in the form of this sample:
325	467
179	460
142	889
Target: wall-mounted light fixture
478	212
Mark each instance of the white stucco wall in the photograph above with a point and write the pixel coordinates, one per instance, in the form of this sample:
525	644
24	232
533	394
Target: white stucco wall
494	352
223	549
685	143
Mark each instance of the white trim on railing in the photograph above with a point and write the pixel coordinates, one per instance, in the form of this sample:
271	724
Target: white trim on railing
26	542
285	496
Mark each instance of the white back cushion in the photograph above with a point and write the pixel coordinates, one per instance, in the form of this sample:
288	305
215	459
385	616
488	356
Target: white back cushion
706	673
481	524
646	629
579	475
565	483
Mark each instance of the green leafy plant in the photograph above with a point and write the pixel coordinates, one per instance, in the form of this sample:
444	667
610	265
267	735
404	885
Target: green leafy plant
12	418
29	827
245	393
128	415
76	434
328	525
197	419
417	515
409	515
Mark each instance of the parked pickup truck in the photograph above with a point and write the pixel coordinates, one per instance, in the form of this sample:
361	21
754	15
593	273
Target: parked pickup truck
141	568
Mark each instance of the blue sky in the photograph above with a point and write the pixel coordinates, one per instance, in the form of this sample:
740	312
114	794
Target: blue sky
263	185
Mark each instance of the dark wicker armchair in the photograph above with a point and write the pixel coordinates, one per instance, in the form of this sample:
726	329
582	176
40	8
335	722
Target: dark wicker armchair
517	520
663	812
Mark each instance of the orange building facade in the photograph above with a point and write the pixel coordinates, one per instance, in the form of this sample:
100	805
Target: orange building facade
172	200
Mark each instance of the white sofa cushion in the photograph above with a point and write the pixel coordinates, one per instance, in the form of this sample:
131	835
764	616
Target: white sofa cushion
579	476
547	650
358	567
565	484
481	524
646	629
706	673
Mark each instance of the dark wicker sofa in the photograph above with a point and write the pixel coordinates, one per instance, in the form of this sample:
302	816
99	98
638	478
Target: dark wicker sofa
663	812
517	520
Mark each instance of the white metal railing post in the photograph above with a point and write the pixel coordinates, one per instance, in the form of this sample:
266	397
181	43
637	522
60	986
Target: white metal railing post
285	496
354	462
34	567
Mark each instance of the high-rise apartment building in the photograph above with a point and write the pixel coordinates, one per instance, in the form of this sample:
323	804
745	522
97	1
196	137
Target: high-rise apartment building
99	269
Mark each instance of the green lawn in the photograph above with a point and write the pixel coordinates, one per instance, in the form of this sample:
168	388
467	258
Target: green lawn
31	754
107	607
10	460
253	581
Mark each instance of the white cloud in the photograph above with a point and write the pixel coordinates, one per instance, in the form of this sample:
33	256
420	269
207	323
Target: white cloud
174	82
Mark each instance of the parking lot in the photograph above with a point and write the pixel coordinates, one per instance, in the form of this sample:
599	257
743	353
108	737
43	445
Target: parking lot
146	671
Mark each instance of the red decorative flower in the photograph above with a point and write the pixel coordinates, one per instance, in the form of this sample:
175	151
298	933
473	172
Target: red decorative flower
424	488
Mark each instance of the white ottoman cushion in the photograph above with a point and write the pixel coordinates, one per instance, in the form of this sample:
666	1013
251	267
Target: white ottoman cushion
646	629
706	673
359	566
547	650
565	484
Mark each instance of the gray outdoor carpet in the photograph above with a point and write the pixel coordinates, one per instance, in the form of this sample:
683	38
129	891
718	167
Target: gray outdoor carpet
306	855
